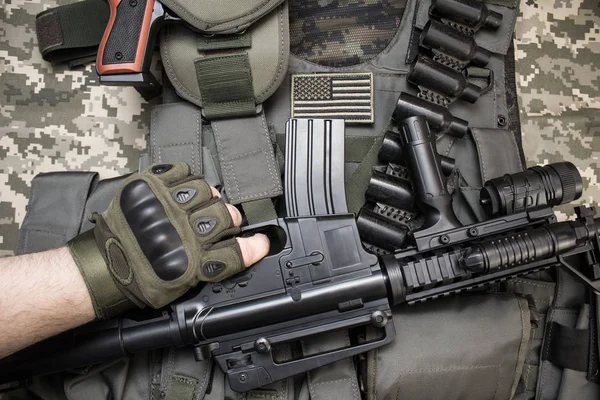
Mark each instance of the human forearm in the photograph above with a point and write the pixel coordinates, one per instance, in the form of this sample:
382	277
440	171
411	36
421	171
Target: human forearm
41	295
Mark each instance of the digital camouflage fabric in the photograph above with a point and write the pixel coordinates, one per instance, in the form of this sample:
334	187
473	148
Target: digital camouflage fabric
56	119
337	33
557	48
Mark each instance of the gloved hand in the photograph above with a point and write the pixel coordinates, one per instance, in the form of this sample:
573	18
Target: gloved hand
164	232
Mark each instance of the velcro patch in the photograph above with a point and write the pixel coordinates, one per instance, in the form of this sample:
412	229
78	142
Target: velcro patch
347	96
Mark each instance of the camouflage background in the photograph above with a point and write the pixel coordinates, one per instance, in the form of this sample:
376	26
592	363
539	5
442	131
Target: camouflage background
53	118
557	48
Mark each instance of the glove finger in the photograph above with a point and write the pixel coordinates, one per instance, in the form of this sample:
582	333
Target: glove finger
192	193
212	222
169	172
222	261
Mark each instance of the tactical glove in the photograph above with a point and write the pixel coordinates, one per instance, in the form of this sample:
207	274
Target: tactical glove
163	233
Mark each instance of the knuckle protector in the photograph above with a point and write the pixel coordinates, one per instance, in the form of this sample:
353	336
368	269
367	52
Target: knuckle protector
168	172
154	232
211	221
191	193
222	263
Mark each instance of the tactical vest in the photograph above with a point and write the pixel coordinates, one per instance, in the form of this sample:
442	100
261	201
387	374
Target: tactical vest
225	115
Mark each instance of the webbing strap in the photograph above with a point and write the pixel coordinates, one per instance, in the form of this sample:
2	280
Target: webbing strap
224	42
356	184
72	33
567	347
176	135
530	377
477	72
259	211
225	83
593	369
334	381
181	388
247	159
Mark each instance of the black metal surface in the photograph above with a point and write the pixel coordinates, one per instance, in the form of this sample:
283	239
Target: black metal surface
441	79
438	117
428	180
470	13
441	38
535	188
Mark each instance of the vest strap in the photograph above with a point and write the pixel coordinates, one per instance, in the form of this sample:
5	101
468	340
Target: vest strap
72	33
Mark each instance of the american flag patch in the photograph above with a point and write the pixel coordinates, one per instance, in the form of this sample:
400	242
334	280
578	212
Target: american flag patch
347	96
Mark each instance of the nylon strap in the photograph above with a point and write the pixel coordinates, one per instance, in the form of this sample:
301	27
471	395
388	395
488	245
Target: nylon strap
250	171
530	375
107	299
176	135
181	388
259	211
477	72
593	370
567	347
72	33
334	381
356	184
224	42
225	83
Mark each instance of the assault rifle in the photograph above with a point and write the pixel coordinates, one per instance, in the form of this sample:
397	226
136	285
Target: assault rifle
320	279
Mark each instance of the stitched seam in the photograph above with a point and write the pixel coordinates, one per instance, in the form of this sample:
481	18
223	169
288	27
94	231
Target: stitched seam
514	143
224	165
281	57
454	368
182	10
269	156
199	168
333	381
481	158
45	231
153	133
82	200
541	370
497	382
242	155
539	284
173	76
248	99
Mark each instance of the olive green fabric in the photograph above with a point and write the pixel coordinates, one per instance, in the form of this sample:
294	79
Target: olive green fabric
225	84
259	211
106	297
221	16
267	57
128	267
67	34
463	347
221	42
181	388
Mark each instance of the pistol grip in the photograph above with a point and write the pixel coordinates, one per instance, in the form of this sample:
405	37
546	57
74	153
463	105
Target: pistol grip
126	44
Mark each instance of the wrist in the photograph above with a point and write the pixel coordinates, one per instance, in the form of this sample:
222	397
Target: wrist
106	297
